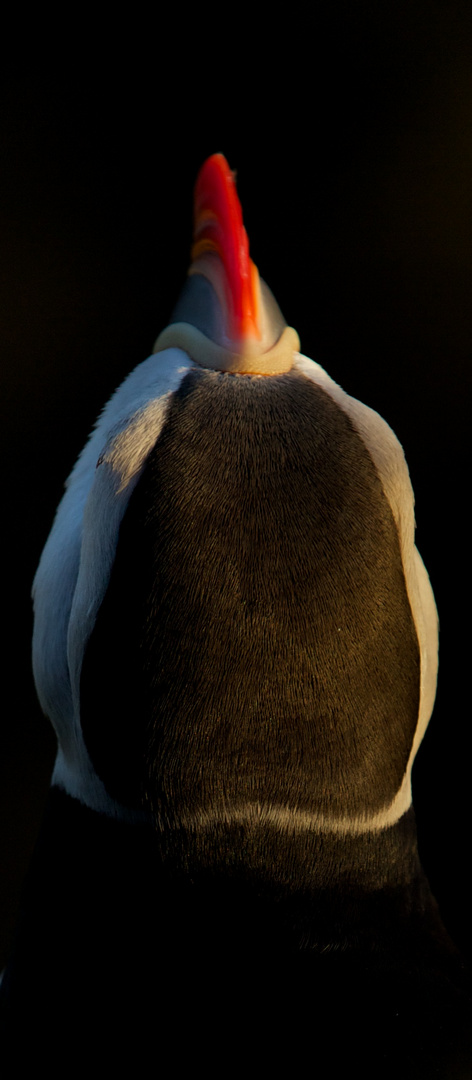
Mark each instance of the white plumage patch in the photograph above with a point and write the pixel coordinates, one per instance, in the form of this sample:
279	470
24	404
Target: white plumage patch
75	565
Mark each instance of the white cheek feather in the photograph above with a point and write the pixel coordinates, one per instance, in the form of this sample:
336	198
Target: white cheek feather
389	460
75	566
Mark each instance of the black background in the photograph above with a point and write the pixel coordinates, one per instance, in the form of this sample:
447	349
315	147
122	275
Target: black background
351	133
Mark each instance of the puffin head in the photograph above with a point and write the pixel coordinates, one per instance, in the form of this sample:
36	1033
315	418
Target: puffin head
175	420
226	317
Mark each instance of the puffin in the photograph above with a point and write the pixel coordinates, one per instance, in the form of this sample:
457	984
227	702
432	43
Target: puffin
236	641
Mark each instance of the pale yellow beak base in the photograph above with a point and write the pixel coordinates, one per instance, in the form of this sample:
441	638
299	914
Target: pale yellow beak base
276	361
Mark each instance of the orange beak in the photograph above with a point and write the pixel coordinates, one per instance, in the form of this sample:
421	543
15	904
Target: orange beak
219	231
226	318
